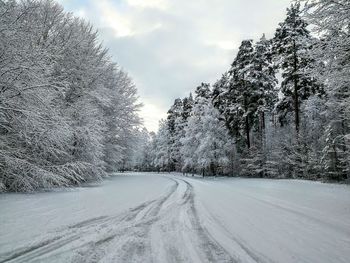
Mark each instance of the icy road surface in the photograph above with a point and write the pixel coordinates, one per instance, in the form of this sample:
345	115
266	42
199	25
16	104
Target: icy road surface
169	218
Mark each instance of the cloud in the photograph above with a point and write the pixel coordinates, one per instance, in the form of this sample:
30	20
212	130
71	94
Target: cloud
169	47
157	4
114	18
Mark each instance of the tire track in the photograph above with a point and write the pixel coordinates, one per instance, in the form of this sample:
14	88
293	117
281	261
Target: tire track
181	236
137	244
257	257
121	224
126	237
213	251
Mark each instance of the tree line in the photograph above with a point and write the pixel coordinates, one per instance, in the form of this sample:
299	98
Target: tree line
68	114
282	110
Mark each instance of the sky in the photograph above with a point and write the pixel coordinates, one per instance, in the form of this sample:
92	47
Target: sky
168	47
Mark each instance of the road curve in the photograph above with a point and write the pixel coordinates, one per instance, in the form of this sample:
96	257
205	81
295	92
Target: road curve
166	229
195	220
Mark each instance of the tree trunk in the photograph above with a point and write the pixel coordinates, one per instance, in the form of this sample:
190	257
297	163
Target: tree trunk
213	168
263	120
246	117
247	131
296	95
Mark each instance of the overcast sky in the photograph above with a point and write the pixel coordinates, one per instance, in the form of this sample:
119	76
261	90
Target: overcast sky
169	47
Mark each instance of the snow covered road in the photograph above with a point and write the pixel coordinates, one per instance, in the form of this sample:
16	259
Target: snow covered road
169	218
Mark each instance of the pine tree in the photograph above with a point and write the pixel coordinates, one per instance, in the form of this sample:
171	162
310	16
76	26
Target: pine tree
180	125
241	89
203	91
187	105
173	121
263	95
292	41
244	93
220	97
263	79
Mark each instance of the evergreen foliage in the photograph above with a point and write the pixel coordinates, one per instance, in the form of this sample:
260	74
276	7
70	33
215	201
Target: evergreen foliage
248	124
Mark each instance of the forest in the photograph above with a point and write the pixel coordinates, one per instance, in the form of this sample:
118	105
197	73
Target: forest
69	114
82	179
282	110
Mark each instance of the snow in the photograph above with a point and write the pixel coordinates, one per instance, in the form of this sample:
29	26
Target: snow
134	217
25	216
279	220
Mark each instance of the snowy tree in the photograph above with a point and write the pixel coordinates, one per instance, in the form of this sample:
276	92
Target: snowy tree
215	146
174	123
121	115
140	159
246	93
247	101
180	125
167	143
331	20
219	94
243	91
207	144
262	95
191	140
59	95
162	147
263	79
187	105
203	91
292	42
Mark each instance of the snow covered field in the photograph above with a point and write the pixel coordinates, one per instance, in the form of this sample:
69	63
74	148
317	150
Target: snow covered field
170	218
